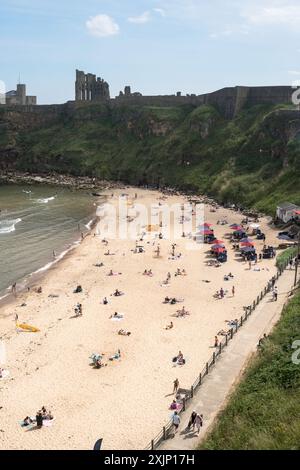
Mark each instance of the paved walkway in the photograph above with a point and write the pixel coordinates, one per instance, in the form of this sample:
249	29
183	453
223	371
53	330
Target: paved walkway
217	386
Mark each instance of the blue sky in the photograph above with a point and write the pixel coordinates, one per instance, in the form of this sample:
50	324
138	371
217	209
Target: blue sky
156	46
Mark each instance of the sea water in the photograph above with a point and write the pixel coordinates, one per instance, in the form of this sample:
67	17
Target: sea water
36	221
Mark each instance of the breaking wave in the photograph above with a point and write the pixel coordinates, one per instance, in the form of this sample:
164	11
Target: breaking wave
8	226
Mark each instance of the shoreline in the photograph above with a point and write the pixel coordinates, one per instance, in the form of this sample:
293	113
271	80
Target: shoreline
28	282
56	179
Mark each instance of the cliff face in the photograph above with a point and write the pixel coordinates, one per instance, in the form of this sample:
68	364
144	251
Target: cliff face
253	159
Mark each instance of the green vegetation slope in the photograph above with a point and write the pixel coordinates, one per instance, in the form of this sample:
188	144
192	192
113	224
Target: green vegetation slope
253	159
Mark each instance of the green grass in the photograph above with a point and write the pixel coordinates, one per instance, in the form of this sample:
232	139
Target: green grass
283	258
253	159
263	413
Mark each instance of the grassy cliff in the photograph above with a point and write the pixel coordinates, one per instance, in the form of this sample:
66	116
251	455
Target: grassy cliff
263	413
253	159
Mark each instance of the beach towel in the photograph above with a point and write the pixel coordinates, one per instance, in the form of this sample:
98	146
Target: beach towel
22	424
121	317
5	374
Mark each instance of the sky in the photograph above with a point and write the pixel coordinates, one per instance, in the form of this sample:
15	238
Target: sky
155	46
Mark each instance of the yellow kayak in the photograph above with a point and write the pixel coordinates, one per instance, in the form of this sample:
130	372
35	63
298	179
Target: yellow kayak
25	327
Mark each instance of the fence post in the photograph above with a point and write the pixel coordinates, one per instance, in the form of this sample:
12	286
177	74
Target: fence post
200	379
164	433
152	444
220	348
231	333
261	295
242	320
226	339
207	368
214	357
258	300
192	391
183	404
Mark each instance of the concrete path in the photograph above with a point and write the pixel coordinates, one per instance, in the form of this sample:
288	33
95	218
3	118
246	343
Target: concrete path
218	384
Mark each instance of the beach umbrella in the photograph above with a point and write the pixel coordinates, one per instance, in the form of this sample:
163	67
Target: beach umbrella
247	244
221	249
218	245
255	226
246	240
247	249
234	226
216	242
207	232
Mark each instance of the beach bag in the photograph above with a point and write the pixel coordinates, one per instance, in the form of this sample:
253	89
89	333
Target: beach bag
174	359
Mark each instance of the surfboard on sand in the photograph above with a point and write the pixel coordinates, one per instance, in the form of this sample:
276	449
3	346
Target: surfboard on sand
25	327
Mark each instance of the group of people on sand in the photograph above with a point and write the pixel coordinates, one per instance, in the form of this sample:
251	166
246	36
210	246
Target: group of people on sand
41	415
172	300
148	272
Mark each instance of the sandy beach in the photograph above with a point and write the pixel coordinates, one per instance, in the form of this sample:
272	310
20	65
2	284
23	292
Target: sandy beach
127	402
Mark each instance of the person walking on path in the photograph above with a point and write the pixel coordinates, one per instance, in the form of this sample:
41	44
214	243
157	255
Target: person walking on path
275	293
199	422
176	421
192	419
176	385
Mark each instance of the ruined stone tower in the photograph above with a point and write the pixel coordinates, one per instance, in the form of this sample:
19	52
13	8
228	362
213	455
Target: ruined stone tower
90	88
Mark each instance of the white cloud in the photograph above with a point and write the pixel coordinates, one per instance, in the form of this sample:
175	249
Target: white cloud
273	13
102	26
160	11
141	19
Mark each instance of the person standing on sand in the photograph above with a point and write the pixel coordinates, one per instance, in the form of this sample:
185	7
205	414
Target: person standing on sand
176	421
176	385
233	291
14	288
216	342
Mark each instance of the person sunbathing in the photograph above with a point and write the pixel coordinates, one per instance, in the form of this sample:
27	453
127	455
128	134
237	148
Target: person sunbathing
116	315
180	359
167	300
124	333
178	272
182	312
117	293
169	327
110	273
99	265
78	290
27	421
